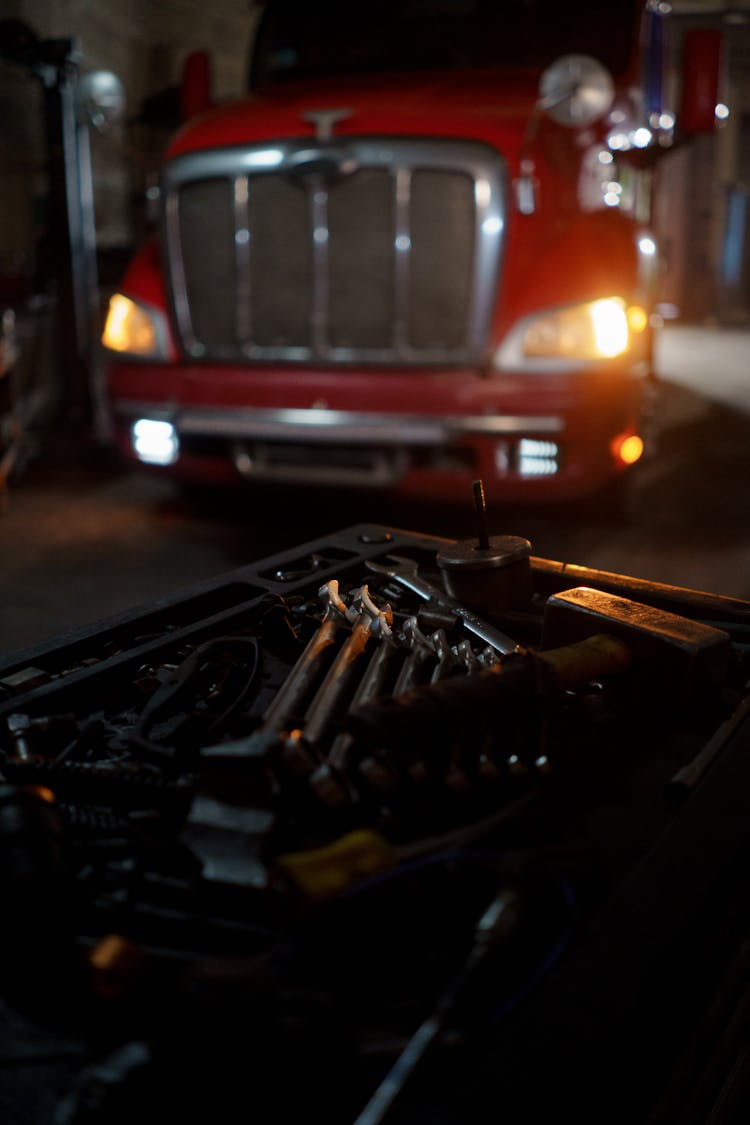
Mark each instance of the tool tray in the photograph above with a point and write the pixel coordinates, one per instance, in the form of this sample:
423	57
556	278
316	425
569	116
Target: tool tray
211	912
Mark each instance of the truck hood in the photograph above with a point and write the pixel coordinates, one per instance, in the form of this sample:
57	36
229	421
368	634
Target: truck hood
471	105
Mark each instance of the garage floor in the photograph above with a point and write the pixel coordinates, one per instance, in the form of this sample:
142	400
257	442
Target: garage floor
84	537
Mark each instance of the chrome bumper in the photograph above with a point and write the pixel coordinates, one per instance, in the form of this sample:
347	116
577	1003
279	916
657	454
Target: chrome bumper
339	427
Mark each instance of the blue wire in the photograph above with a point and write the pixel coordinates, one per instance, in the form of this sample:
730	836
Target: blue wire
544	966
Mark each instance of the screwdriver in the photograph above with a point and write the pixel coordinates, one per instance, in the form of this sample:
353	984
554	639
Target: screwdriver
496	923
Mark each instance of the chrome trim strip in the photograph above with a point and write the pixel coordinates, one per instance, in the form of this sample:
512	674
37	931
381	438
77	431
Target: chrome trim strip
242	252
320	294
488	242
402	257
177	271
342	426
399	155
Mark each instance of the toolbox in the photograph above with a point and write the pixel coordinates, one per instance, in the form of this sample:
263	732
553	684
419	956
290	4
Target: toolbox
387	827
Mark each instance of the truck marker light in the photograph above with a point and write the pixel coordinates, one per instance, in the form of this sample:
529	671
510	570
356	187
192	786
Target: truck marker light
627	448
637	319
130	328
155	442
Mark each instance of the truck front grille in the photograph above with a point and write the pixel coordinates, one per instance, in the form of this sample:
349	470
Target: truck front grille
374	252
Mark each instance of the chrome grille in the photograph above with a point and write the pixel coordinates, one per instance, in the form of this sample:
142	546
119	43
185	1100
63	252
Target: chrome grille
363	251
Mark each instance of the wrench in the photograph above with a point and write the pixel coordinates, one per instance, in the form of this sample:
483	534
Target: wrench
302	676
445	654
367	620
405	572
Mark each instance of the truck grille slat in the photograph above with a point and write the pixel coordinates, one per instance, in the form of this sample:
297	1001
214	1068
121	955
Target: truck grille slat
206	223
402	247
361	260
442	238
243	260
282	262
360	252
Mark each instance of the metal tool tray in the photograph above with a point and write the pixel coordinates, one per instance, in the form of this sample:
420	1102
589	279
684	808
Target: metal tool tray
625	998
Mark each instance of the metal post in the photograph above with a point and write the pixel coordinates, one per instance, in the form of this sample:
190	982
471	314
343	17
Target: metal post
71	226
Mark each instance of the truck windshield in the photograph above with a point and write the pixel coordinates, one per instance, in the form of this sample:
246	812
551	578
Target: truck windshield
302	40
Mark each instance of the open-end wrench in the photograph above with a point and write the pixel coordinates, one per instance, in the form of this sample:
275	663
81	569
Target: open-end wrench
406	573
369	688
301	678
367	620
422	650
446	658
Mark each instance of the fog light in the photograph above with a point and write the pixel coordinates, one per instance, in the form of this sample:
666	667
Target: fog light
155	442
537	458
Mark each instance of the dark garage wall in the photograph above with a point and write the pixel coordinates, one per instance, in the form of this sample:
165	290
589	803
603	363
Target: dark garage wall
145	42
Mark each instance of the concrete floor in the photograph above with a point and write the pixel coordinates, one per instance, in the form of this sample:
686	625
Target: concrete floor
84	537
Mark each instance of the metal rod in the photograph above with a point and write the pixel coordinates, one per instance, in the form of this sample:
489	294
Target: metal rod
480	506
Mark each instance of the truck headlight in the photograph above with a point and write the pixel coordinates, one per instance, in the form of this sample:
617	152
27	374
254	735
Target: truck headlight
133	329
562	337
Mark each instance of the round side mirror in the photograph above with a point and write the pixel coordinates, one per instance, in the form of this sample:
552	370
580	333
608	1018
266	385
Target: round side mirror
100	99
576	90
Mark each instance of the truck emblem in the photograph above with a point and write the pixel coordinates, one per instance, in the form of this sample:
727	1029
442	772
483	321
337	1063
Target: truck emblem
325	121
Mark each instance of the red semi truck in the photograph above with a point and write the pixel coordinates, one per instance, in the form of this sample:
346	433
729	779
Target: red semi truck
417	253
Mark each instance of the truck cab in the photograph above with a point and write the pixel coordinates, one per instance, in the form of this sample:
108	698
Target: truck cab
417	252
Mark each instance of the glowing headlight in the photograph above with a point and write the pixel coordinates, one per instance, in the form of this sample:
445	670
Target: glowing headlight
155	442
596	330
132	329
590	331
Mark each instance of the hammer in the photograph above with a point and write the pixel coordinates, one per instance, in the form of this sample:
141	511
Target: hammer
668	658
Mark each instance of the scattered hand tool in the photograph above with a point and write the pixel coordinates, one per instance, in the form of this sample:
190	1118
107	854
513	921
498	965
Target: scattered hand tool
422	650
488	574
406	573
551	576
496	924
369	620
299	681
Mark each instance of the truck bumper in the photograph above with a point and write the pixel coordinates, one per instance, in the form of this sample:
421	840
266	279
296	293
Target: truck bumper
532	437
